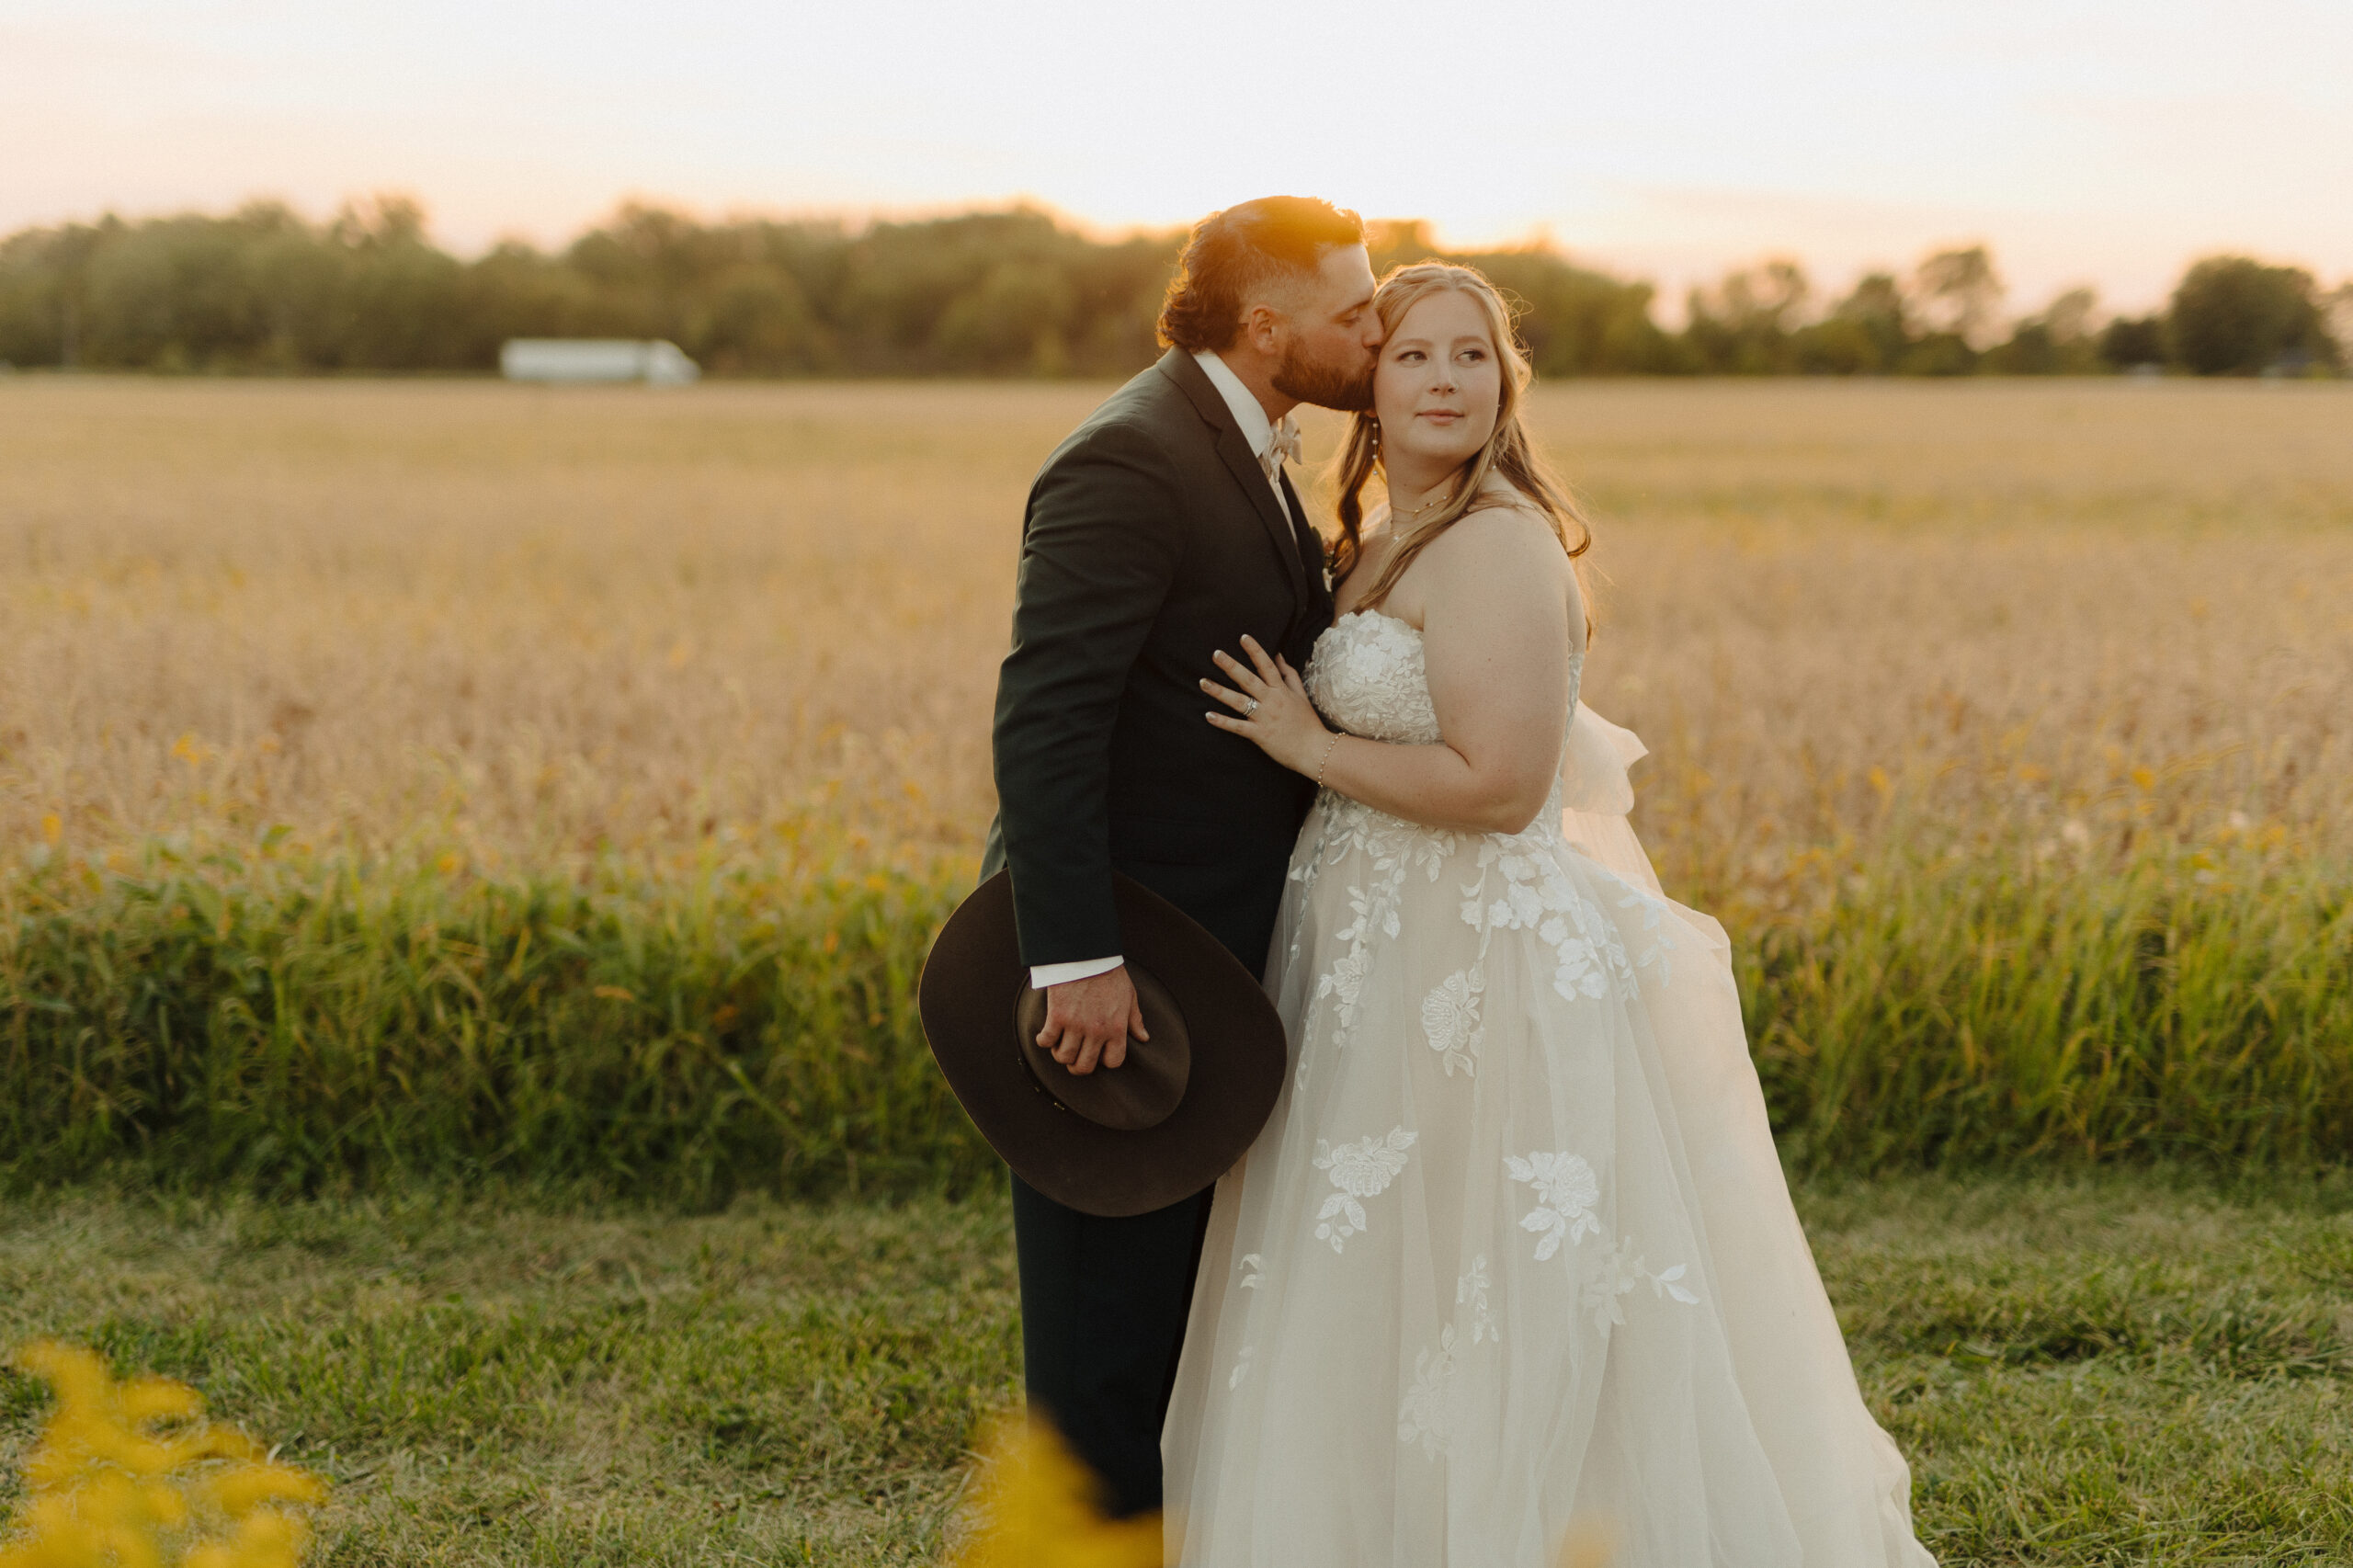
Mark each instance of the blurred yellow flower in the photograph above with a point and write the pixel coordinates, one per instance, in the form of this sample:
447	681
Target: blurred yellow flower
1034	1508
130	1475
1590	1542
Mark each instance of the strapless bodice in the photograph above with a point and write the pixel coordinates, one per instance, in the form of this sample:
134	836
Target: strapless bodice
1368	677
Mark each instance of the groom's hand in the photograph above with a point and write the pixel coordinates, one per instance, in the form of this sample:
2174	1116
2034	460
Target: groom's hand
1089	1020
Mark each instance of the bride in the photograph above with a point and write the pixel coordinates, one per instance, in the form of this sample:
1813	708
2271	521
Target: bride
1514	1256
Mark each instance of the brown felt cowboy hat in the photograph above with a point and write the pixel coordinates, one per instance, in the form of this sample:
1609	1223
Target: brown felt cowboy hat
1118	1140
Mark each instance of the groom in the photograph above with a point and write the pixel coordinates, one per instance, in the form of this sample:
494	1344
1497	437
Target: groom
1164	529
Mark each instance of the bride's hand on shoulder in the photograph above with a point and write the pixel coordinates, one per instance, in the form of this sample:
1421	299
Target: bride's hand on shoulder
1269	707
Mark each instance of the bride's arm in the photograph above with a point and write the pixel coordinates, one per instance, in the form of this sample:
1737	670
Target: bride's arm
1499	608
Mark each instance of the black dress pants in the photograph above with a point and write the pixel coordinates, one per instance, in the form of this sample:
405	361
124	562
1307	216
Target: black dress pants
1103	1308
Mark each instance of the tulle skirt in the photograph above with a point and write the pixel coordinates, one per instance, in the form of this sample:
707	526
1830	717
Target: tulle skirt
1515	1255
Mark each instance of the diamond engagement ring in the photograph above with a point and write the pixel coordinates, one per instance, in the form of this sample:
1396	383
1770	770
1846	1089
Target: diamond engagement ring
1246	712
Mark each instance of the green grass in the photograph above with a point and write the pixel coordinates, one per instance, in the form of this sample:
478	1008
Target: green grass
2095	1370
281	1023
487	1384
1981	1005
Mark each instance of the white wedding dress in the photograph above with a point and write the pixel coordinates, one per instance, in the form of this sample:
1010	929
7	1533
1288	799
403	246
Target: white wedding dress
1515	1253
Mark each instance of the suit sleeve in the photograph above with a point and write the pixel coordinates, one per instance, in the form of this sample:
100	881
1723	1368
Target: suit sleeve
1099	552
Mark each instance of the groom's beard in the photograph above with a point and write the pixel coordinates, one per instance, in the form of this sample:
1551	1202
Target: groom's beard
1346	387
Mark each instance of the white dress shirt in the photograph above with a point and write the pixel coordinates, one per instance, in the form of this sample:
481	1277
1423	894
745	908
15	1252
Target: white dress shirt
1250	419
1250	416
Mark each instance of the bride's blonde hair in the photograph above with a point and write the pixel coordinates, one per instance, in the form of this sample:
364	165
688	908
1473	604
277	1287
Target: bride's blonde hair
1507	455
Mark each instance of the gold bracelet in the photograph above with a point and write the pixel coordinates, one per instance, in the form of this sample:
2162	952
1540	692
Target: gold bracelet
1332	746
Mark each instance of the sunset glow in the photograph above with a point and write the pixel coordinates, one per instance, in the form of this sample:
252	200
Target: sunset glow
2085	139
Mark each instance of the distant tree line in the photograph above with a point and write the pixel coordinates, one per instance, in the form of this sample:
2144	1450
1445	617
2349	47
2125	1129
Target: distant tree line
1016	293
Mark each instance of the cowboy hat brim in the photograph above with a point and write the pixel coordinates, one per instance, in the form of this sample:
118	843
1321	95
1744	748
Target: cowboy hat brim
972	986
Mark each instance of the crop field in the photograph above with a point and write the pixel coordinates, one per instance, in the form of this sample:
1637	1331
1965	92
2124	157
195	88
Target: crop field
529	625
564	783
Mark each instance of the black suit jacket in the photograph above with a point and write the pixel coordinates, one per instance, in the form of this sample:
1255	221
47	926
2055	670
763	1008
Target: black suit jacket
1152	540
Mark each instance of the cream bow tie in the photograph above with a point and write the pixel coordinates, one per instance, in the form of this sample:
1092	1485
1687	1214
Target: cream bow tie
1281	446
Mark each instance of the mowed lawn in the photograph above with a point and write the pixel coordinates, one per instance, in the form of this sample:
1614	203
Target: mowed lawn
2107	1369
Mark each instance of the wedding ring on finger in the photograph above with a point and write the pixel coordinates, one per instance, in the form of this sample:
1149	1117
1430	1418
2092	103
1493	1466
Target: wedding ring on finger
1252	708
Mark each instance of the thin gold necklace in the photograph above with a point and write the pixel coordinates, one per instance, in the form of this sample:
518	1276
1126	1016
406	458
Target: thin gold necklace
1415	516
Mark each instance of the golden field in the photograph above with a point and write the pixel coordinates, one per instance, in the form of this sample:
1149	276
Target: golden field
522	625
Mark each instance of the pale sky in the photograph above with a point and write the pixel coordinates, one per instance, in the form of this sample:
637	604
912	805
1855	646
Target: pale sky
2087	140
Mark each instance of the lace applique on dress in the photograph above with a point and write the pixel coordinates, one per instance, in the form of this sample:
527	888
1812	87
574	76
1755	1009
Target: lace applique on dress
1431	1409
1470	1291
1566	1190
1590	960
1621	1271
1362	1169
1567	1193
1451	1019
1367	676
1426	1416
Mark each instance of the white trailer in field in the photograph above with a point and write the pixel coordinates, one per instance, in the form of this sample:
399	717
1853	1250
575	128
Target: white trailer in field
582	359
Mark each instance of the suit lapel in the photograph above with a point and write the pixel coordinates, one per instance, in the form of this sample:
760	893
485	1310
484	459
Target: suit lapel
1181	368
1311	552
1244	464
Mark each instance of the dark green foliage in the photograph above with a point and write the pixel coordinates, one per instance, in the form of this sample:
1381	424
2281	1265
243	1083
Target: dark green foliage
2232	315
259	290
1939	354
1007	293
293	1024
1746	324
2129	341
1981	1007
307	1026
988	293
1865	334
1011	293
1958	291
2059	342
2035	350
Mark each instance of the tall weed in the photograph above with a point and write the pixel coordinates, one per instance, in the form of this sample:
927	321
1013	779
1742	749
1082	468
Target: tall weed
288	1022
306	1023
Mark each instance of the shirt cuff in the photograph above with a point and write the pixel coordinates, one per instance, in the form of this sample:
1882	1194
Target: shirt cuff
1044	975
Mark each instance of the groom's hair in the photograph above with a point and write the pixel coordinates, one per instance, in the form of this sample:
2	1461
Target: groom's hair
1232	255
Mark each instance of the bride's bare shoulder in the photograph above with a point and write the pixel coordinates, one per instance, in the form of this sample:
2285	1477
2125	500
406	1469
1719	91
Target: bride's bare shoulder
1506	534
